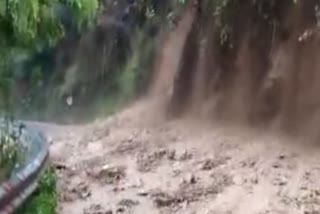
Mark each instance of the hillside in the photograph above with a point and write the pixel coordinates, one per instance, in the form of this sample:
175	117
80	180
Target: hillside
226	145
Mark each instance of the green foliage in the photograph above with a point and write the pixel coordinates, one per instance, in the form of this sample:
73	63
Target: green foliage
221	20
224	12
159	13
105	65
43	200
11	151
83	11
29	25
25	23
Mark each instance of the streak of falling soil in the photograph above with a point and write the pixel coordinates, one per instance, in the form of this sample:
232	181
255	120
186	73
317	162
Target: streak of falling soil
143	164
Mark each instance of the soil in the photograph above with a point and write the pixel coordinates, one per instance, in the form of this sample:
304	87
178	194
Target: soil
137	162
147	165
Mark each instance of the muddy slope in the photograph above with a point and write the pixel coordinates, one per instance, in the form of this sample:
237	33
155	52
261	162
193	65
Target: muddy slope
264	74
135	163
138	162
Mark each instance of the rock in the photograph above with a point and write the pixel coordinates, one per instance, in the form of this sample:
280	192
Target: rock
50	140
191	179
164	201
172	155
82	189
143	193
120	210
95	172
185	155
282	157
238	180
210	163
149	161
255	179
250	162
250	179
281	181
127	203
311	212
108	174
75	189
276	165
176	172
97	209
59	166
118	189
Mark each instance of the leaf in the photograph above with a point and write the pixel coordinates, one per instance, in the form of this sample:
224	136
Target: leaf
3	7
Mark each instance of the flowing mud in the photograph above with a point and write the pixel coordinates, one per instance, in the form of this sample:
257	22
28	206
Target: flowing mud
138	162
134	163
264	75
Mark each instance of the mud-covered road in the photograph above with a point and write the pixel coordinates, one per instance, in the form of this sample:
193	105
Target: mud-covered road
136	163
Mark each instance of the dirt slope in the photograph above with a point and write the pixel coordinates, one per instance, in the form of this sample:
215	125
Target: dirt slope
138	162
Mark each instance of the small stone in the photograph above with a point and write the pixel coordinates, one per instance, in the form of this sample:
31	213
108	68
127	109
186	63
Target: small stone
96	209
164	200
118	189
143	194
281	181
192	179
137	184
82	189
108	175
127	203
185	156
106	167
276	165
50	140
255	179
311	212
85	194
189	179
60	166
237	180
176	172
210	164
172	155
95	172
120	210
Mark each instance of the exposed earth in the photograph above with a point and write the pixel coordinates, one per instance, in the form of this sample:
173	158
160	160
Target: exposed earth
135	162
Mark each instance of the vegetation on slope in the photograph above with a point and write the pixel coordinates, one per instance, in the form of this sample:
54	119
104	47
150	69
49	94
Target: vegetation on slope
32	25
27	27
89	65
43	200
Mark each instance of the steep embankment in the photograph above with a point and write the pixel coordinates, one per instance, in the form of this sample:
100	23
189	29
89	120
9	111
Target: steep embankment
252	62
138	162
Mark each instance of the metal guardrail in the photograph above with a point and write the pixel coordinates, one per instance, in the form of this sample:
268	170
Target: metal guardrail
23	180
